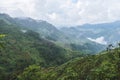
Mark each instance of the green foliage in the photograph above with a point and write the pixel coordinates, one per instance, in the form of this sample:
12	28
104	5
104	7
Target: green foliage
22	49
31	73
1	40
26	56
89	48
95	67
2	35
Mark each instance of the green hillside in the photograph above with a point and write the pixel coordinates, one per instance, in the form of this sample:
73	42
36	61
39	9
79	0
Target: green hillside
23	48
57	36
104	66
26	55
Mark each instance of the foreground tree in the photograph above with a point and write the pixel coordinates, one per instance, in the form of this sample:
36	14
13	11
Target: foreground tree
110	47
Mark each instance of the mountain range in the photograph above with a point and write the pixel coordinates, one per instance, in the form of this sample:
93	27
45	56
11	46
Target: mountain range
104	33
58	36
20	49
37	50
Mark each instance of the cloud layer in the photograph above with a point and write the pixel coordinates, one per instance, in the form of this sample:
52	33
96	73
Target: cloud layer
99	40
64	12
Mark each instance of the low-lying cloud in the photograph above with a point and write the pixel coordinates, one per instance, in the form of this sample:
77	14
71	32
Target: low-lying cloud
99	40
64	12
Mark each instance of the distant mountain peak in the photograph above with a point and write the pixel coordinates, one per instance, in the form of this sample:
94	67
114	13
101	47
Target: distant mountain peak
3	14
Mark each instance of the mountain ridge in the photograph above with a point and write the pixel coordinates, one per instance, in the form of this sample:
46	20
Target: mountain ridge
21	49
51	33
109	31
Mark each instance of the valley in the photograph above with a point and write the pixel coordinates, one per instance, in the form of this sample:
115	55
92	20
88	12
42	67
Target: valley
37	50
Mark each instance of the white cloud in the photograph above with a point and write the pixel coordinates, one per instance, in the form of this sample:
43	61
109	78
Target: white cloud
99	40
17	7
52	16
64	12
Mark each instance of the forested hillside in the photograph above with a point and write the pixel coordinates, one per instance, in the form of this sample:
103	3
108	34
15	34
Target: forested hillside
104	66
23	48
51	33
59	39
26	55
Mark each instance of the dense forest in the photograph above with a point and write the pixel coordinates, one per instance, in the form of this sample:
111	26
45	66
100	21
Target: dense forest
26	55
104	66
20	49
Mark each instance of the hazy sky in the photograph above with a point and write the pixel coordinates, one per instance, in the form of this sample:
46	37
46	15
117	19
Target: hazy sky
64	12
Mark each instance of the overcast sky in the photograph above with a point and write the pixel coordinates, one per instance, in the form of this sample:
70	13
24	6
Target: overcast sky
64	12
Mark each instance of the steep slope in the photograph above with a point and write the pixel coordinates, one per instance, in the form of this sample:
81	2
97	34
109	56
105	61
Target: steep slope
7	18
105	66
25	47
45	29
50	32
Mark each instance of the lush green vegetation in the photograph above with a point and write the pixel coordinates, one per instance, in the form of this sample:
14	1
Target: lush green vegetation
24	48
1	43
90	48
24	55
105	66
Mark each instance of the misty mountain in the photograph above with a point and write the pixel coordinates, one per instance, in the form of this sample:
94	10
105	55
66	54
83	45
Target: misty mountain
45	29
51	33
7	18
32	50
21	49
104	33
27	56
